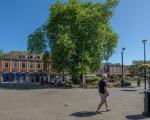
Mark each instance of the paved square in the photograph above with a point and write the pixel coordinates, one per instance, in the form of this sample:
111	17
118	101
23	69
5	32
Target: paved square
69	104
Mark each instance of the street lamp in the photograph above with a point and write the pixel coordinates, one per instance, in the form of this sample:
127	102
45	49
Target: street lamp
122	52
144	42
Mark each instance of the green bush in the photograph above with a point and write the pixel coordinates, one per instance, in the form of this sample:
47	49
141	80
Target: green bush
127	83
126	78
76	80
114	78
135	78
93	81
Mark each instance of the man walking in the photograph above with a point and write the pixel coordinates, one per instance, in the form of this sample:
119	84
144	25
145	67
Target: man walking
103	93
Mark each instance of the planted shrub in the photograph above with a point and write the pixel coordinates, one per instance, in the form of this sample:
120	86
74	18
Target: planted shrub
93	81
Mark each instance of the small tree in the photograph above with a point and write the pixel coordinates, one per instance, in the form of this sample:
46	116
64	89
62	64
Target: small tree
134	68
38	44
143	67
2	53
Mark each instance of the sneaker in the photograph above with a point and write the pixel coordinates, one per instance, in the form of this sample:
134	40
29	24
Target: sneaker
108	109
98	112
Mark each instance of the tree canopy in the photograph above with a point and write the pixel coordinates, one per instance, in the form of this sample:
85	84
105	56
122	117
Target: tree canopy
37	42
79	35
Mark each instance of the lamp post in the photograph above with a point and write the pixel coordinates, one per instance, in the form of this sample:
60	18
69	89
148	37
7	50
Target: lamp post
147	93
122	53
144	42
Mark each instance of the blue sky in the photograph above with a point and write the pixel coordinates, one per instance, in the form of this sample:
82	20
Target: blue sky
18	18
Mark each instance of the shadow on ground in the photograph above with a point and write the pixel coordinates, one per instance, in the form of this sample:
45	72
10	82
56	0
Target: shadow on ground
129	90
141	92
28	86
131	87
83	114
136	117
22	86
128	87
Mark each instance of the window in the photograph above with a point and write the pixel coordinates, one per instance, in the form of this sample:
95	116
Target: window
38	65
112	69
23	65
23	56
6	65
31	65
15	64
31	57
118	70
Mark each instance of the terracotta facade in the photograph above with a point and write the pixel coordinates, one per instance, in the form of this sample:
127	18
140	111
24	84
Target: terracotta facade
116	70
22	66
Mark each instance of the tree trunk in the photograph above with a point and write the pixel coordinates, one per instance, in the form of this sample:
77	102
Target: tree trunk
83	81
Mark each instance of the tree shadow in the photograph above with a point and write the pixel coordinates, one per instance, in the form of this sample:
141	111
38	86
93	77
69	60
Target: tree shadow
83	114
136	117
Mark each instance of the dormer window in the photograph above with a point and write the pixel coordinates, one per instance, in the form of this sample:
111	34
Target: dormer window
31	57
22	57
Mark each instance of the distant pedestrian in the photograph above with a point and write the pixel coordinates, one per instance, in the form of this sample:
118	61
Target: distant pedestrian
103	93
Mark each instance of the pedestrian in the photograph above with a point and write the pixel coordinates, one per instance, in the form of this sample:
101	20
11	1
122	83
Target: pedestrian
103	93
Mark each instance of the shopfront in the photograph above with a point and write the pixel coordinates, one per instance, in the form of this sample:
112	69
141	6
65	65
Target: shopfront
17	77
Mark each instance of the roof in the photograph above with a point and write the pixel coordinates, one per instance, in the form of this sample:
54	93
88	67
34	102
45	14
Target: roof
17	54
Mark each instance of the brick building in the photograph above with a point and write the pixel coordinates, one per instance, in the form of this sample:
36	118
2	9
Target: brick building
113	69
116	69
20	66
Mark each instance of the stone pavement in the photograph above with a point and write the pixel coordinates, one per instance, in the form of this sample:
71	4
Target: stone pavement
70	104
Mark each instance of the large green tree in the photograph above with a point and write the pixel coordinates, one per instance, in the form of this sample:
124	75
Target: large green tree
80	35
